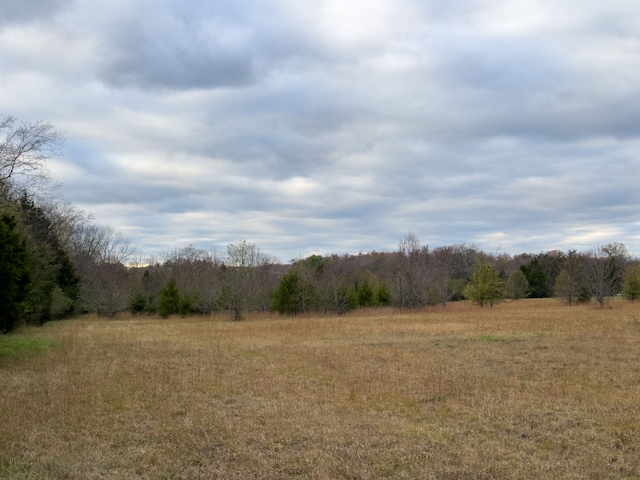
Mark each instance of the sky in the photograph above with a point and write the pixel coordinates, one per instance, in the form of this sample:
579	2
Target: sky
327	126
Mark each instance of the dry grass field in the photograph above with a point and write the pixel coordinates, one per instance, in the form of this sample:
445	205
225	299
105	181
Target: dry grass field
527	389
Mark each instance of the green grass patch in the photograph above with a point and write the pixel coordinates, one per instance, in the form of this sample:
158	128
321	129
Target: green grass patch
13	348
490	338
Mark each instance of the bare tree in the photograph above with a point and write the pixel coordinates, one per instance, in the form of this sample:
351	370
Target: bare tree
570	282
411	274
97	243
246	279
443	286
99	254
107	288
196	274
24	150
605	270
64	218
618	258
335	280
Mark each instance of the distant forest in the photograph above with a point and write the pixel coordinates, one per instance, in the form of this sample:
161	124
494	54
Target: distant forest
56	263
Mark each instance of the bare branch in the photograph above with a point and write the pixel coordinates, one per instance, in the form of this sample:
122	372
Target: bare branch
24	149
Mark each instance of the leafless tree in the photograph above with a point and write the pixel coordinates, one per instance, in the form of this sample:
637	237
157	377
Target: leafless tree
99	244
443	286
99	254
335	279
411	274
196	273
246	279
107	288
572	278
605	267
24	150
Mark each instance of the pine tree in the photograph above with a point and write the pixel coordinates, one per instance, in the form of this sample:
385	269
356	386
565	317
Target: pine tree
486	286
169	303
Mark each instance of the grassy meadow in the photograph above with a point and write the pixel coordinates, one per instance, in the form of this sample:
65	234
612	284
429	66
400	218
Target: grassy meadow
528	389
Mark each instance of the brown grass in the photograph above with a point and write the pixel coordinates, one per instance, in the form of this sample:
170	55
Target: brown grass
527	389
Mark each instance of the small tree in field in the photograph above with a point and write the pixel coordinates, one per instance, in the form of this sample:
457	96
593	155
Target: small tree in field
486	286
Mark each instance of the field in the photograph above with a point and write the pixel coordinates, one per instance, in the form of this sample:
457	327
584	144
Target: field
526	389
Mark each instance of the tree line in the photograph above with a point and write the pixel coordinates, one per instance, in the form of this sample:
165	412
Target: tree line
56	262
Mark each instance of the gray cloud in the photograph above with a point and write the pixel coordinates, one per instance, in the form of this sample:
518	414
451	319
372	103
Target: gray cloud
334	127
17	11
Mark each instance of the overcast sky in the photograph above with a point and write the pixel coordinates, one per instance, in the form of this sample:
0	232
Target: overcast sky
332	126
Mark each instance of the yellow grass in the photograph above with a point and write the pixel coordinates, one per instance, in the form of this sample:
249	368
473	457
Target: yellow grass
527	389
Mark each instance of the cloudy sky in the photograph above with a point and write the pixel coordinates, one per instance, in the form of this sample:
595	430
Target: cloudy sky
331	126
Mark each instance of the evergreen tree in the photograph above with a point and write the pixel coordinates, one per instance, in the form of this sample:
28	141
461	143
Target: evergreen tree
53	273
285	298
137	303
14	273
170	302
294	294
382	296
631	283
541	273
486	285
366	295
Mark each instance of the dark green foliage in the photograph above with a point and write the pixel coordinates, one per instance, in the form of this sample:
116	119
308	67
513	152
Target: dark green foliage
584	294
186	305
371	293
15	273
52	268
66	277
286	299
631	283
296	292
170	302
137	303
152	282
37	308
340	299
541	273
383	297
537	280
366	295
314	262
